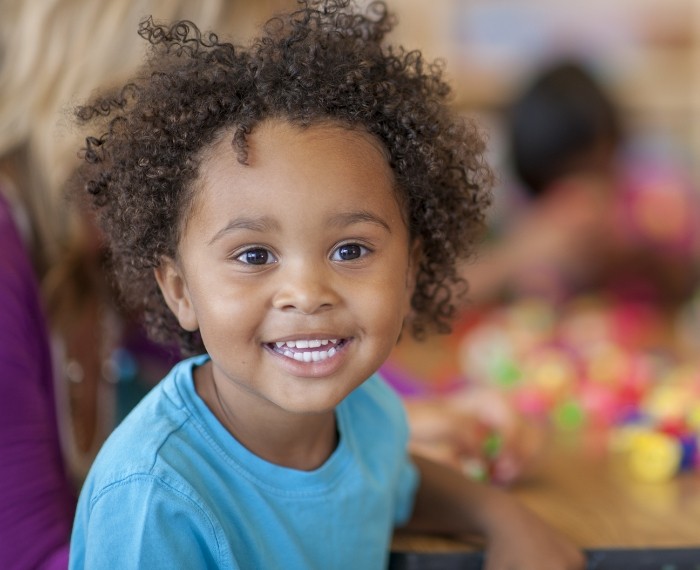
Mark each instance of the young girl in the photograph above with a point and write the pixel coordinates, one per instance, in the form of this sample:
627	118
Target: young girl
285	210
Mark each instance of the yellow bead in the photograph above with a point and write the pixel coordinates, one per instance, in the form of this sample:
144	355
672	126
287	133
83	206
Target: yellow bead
654	457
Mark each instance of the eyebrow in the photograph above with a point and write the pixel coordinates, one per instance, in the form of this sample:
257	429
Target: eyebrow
361	216
262	224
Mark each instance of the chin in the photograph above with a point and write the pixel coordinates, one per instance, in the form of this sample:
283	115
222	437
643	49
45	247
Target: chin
311	406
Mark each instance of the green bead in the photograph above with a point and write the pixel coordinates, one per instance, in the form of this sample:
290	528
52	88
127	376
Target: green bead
569	415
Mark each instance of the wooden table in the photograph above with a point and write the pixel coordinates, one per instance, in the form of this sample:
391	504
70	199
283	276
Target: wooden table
585	491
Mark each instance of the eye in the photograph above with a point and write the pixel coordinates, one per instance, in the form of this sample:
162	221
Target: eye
349	252
257	256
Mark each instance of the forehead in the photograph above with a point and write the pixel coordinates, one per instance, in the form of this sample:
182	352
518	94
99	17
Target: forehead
274	137
329	168
283	157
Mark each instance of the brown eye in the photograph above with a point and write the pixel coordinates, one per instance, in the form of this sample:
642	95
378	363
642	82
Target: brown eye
349	252
256	256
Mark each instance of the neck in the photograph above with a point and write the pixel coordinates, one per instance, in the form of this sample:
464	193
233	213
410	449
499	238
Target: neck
297	441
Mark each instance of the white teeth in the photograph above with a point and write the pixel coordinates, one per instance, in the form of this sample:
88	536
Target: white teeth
310	355
315	343
286	348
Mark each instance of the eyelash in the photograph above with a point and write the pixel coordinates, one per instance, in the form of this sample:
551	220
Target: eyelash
241	257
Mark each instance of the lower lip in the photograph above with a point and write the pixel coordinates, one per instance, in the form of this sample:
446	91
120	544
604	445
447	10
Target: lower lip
313	369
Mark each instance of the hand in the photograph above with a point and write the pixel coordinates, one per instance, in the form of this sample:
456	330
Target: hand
455	430
523	541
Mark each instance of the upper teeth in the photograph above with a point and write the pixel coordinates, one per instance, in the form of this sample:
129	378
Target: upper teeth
309	355
306	343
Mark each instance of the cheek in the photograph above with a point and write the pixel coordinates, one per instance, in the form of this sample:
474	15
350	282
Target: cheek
387	300
226	312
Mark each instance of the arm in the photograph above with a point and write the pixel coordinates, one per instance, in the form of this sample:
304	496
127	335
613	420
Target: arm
448	503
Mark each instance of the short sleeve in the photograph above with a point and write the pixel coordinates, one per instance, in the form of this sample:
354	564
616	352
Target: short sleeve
144	523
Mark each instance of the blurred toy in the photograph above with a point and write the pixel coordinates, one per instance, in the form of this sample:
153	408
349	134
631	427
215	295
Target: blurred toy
652	456
601	364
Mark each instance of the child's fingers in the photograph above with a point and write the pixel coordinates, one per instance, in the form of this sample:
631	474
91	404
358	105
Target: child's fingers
433	422
477	432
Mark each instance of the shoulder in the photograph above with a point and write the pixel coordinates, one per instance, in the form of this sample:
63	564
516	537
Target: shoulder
156	429
376	406
146	491
373	422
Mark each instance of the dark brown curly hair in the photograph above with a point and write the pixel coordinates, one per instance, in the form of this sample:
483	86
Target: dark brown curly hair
321	62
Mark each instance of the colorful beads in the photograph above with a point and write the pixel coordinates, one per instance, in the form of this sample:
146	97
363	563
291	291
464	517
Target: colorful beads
595	364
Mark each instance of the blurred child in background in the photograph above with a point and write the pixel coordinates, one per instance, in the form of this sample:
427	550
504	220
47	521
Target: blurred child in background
594	218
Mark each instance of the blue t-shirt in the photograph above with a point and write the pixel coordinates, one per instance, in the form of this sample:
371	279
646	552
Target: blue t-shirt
172	488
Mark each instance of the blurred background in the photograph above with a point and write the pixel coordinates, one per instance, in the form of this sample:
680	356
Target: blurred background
583	310
646	53
583	299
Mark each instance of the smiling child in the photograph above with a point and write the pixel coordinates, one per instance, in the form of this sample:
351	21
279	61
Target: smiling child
285	211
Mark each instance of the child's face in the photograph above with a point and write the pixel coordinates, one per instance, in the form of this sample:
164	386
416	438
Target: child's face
307	243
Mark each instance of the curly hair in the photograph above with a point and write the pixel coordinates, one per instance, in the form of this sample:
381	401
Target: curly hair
321	62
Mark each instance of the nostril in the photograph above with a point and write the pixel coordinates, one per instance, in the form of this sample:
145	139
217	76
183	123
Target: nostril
306	296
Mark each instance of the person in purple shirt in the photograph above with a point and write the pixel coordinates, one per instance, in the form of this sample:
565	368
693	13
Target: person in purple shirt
37	500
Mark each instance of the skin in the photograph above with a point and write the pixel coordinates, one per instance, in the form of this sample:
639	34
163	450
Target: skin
309	242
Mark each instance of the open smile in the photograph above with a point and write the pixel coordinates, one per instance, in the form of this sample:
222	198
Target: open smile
308	350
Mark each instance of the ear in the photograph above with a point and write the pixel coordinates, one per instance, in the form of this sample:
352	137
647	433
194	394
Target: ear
173	285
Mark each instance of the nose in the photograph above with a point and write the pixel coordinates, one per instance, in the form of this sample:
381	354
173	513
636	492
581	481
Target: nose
306	289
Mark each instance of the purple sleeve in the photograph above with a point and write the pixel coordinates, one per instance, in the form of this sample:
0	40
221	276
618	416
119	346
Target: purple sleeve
404	384
36	499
